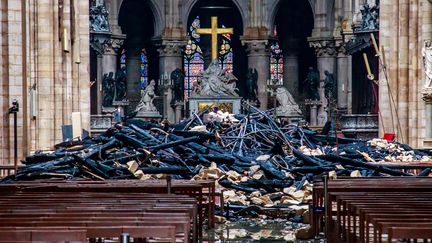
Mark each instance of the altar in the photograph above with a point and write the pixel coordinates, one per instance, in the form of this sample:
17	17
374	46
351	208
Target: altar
231	105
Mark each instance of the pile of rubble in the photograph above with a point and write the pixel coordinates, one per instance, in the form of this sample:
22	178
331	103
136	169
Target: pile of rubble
259	163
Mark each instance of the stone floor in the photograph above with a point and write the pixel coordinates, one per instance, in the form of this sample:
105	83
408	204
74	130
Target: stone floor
256	230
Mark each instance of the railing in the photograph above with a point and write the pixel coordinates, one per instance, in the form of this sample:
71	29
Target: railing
6	170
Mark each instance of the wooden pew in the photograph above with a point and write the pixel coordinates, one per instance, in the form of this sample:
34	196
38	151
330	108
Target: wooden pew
356	206
30	205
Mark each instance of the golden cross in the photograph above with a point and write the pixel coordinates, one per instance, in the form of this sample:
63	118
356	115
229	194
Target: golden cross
214	32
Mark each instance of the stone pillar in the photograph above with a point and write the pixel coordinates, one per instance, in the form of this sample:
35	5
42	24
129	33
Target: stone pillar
259	58
291	72
170	58
326	60
342	80
133	72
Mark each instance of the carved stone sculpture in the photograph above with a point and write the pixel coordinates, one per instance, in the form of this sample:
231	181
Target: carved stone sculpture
108	88
312	83
427	63
369	17
287	105
216	82
330	86
147	97
177	79
121	84
251	85
99	18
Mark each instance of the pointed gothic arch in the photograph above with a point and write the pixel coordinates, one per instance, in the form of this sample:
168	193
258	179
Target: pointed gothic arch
156	10
274	9
188	6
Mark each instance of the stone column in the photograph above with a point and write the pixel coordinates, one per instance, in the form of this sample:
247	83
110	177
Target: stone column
259	58
291	72
133	72
291	67
326	60
342	80
170	58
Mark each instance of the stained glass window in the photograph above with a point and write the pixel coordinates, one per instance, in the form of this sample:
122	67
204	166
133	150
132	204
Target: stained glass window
143	66
123	59
143	69
225	53
276	61
193	59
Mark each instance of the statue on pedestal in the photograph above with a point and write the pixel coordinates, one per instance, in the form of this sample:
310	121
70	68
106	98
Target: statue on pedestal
251	85
177	80
312	83
288	107
217	82
427	63
147	97
108	89
121	84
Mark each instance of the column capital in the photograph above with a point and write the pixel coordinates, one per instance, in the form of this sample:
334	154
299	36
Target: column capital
107	44
324	47
256	47
170	47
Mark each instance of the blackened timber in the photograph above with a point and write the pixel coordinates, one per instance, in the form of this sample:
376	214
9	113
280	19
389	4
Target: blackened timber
130	141
379	168
270	170
176	143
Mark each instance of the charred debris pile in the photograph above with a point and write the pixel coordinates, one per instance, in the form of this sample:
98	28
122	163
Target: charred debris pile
256	160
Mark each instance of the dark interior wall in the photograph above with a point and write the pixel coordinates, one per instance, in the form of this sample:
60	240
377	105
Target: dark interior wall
94	88
364	91
295	21
229	16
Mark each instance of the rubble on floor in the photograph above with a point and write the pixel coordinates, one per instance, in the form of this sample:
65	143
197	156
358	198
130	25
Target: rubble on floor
257	162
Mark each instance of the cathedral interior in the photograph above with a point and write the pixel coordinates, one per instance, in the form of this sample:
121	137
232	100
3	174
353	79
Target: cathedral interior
215	120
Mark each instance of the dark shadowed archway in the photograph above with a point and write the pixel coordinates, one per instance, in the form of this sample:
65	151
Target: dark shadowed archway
294	22
136	20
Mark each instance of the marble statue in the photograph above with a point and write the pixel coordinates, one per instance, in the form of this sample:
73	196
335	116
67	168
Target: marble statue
287	105
251	85
108	88
177	80
312	83
121	84
147	97
216	82
330	86
427	63
99	18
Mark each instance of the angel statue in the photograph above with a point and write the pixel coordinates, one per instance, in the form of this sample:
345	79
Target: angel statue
288	106
427	63
147	97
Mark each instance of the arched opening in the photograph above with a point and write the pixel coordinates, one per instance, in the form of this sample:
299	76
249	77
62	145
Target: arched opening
292	26
138	54
231	53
